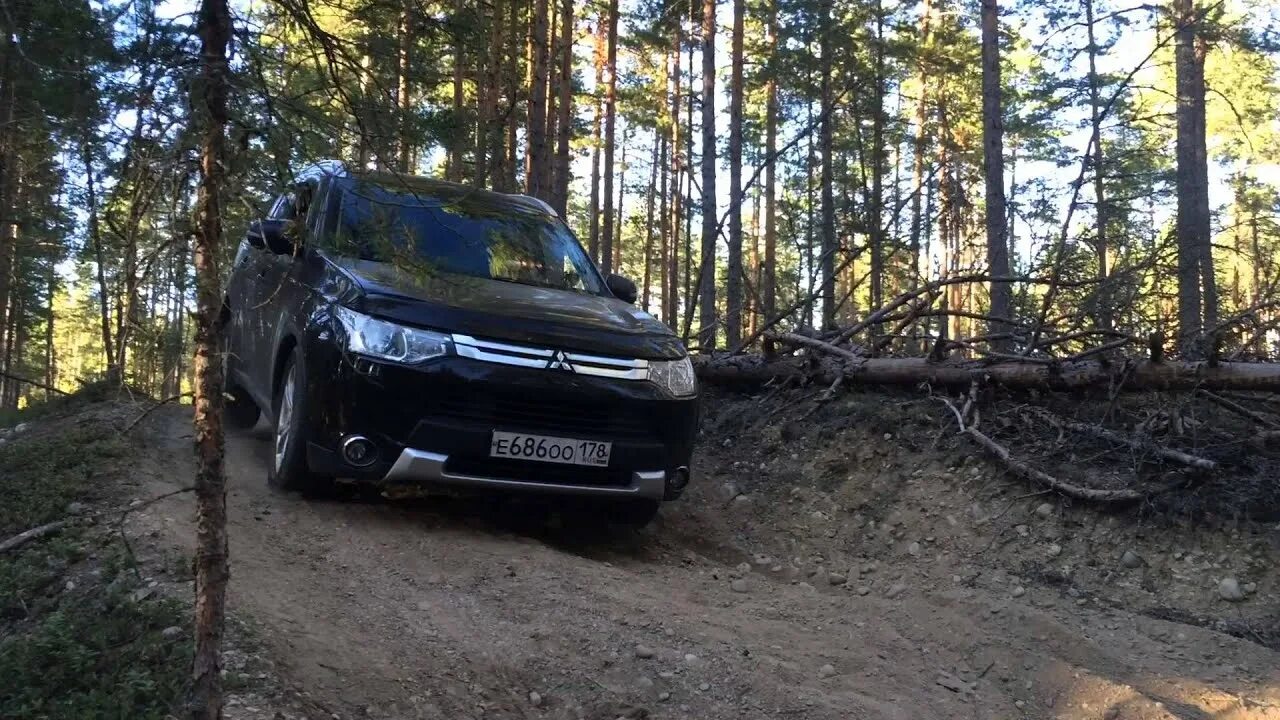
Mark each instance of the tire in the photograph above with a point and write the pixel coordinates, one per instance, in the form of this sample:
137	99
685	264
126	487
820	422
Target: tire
289	469
241	411
634	513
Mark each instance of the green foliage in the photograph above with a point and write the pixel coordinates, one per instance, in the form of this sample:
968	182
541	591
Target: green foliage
74	643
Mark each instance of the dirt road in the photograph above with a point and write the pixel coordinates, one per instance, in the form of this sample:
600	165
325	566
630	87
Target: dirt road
448	609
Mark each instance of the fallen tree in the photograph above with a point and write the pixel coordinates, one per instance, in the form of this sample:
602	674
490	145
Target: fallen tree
1131	374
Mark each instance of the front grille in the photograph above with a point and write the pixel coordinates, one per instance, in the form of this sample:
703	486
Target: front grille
506	469
546	414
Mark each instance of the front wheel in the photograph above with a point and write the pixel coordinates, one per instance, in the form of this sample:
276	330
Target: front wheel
289	469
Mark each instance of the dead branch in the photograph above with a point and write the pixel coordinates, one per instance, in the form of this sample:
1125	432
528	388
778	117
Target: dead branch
148	411
1019	467
1134	443
33	383
1108	347
1237	408
804	341
34	533
40	531
1069	489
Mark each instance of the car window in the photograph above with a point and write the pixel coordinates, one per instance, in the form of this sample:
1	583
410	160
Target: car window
474	234
284	208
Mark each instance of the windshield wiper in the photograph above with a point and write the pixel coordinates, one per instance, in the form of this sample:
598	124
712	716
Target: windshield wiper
514	281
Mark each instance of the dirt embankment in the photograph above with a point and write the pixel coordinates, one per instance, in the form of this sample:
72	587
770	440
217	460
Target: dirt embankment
846	566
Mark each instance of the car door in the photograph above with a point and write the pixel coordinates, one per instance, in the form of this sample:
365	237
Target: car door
263	302
243	270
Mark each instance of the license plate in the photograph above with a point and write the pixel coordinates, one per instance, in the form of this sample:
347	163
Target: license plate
541	448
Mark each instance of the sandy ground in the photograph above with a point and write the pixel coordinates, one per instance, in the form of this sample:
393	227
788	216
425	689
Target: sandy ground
792	601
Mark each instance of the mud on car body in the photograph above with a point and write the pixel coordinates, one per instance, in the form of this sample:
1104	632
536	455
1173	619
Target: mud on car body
407	331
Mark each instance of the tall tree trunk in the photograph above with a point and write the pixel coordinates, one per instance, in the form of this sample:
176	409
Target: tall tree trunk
564	109
99	257
707	281
484	114
1195	262
593	219
875	208
691	302
664	225
622	203
993	165
610	132
211	497
769	279
1100	244
405	35
50	369
8	229
672	292
511	56
536	132
826	132
733	283
919	142
501	169
650	202
455	172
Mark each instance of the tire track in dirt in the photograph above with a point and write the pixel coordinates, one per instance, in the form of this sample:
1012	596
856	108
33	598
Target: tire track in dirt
435	608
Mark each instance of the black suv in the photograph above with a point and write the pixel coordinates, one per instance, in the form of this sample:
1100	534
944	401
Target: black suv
401	330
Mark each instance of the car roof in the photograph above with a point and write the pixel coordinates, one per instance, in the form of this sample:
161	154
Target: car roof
442	189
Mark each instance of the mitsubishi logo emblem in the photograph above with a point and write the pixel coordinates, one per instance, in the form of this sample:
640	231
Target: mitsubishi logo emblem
559	361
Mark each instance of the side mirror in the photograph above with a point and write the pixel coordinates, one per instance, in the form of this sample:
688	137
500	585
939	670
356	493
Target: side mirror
270	235
621	287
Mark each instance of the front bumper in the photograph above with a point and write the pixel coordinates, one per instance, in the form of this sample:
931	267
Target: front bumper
415	467
432	426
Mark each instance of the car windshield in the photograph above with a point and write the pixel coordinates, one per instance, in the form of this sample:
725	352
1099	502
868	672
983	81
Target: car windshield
451	229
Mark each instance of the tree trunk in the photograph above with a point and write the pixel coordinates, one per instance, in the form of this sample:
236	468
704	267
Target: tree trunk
50	367
769	273
1192	179
610	132
733	282
875	208
827	260
650	202
622	202
707	279
211	498
405	33
752	370
536	131
511	56
99	257
564	109
918	145
455	172
993	166
671	294
1099	175
593	220
691	301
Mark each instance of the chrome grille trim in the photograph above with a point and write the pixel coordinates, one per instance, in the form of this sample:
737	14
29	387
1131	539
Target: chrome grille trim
544	358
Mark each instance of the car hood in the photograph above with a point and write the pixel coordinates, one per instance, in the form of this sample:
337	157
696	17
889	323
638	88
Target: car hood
509	311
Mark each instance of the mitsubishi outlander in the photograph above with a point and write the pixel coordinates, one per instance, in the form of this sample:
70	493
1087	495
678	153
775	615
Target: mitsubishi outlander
403	331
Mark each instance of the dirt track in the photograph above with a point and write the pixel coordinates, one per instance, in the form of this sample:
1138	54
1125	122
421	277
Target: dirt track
447	609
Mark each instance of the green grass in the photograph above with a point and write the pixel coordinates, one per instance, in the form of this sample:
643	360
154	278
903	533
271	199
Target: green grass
86	651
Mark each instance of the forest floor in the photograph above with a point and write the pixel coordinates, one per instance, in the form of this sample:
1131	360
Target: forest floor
846	564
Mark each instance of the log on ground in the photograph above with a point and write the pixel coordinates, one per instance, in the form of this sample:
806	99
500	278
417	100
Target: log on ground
748	370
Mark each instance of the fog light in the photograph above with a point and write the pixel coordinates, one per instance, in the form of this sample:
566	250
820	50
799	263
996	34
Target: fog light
679	479
359	451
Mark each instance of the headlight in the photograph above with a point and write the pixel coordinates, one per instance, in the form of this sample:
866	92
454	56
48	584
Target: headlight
389	341
674	376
